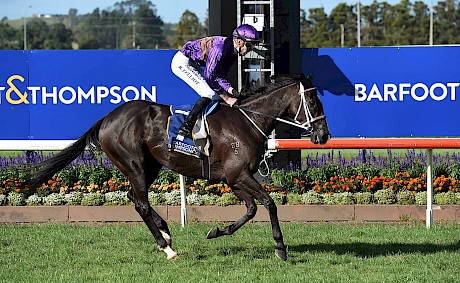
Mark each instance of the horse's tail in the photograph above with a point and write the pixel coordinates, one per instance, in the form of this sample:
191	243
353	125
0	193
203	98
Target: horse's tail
49	167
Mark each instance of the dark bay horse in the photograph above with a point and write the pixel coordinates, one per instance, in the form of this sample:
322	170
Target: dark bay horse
134	138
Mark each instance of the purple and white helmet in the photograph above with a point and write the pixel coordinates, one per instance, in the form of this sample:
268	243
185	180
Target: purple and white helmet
246	32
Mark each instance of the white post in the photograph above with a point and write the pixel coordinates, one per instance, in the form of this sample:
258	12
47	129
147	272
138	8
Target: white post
429	189
183	201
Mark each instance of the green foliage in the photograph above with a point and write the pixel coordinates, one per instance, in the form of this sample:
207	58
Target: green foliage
73	198
116	198
53	199
385	196
343	198
69	175
363	197
404	23
417	169
454	170
286	179
3	199
278	198
311	197
366	170
173	197
445	198
390	171
34	200
156	198
323	173
8	36
16	199
227	199
188	28
210	199
405	197
166	177
421	198
92	199
294	198
195	199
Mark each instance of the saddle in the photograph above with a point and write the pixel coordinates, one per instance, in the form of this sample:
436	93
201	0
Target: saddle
200	145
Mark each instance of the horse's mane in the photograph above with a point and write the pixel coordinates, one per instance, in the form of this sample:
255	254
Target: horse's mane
276	83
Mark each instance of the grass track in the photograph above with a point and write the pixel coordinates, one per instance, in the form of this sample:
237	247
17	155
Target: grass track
317	253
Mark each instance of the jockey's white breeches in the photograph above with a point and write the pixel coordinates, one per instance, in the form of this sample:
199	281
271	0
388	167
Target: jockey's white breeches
192	75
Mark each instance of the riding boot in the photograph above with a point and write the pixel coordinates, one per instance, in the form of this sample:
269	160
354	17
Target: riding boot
186	128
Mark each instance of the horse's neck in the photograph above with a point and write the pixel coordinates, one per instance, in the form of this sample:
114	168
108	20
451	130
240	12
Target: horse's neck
272	104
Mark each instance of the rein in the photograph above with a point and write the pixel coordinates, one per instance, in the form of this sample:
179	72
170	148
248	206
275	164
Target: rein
303	105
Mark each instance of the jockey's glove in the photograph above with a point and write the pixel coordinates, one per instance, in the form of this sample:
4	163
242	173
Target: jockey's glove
235	93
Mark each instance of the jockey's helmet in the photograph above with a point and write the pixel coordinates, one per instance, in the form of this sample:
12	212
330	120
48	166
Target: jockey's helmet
246	33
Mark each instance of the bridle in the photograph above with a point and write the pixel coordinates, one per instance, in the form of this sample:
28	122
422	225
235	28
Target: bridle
303	105
306	109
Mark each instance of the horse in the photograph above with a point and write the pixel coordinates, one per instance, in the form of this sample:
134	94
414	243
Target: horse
133	136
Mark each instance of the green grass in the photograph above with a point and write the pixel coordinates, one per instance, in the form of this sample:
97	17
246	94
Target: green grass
317	253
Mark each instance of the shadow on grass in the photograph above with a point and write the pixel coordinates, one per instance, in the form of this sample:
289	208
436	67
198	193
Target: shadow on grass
367	250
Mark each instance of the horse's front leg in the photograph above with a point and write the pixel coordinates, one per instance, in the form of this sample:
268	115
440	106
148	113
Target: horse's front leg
250	187
251	209
256	190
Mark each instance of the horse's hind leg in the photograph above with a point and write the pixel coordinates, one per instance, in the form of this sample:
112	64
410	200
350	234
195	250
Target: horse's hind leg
142	205
232	228
134	167
152	171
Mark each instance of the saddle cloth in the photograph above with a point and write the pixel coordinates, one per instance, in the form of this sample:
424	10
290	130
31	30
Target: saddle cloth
201	143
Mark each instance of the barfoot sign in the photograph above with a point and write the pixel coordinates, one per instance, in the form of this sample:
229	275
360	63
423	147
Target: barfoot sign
388	91
404	91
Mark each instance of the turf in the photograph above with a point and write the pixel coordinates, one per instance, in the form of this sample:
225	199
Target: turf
325	252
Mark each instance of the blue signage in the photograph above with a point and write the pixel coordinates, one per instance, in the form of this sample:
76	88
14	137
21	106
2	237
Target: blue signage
58	95
388	91
366	92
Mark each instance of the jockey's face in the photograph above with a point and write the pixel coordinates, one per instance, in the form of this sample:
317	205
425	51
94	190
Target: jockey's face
242	47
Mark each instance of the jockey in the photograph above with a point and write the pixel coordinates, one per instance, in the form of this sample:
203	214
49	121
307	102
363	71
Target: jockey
216	54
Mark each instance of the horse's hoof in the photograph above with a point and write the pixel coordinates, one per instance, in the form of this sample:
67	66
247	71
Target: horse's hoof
173	257
281	254
170	253
212	233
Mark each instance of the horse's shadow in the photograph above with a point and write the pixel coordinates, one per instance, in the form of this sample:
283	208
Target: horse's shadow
370	250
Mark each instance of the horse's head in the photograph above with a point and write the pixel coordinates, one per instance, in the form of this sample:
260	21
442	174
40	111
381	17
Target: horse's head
308	111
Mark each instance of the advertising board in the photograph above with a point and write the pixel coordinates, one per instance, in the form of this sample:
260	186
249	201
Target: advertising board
388	91
366	92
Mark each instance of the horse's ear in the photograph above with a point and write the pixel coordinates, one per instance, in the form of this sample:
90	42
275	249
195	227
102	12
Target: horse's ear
309	77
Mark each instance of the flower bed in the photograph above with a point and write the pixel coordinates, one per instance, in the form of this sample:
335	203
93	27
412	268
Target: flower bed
328	180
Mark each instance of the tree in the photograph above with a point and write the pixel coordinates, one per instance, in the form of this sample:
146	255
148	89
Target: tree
37	33
189	28
8	36
59	37
148	27
316	30
447	20
343	15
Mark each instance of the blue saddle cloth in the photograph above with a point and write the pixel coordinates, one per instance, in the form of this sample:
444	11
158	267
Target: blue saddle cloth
185	145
